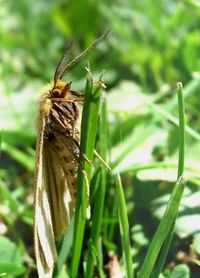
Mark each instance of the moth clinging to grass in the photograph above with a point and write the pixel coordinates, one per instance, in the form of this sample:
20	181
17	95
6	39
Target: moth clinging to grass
57	159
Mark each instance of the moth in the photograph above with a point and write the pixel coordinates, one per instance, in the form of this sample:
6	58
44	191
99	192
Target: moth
57	159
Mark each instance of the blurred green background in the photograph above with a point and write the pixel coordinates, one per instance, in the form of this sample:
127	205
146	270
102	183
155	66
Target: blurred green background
152	45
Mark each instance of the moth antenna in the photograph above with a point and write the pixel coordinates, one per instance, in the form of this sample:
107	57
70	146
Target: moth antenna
61	65
62	68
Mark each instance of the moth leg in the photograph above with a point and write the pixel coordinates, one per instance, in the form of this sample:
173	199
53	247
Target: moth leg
102	160
95	153
77	93
82	154
61	100
64	100
86	159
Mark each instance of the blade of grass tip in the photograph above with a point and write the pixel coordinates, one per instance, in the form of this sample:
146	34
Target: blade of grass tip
163	235
181	163
88	136
189	89
100	194
124	229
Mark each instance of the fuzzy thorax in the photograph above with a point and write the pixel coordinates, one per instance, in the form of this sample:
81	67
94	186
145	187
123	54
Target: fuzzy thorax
45	102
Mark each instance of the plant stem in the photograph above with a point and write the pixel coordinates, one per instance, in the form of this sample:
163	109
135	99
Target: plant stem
88	137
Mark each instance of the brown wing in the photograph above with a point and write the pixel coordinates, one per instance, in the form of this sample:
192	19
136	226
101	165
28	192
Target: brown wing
55	197
60	171
45	249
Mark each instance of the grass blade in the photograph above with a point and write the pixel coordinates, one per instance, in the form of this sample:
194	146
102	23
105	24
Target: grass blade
163	235
88	136
163	254
181	109
167	242
163	229
26	160
64	249
100	194
124	229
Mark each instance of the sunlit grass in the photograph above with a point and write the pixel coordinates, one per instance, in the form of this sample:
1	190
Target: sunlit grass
142	64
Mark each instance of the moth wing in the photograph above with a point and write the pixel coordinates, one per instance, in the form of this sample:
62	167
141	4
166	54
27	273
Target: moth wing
45	248
58	163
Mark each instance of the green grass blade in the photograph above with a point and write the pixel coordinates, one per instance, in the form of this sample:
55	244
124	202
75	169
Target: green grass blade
110	228
189	90
181	109
163	229
124	229
163	254
26	160
96	258
163	235
88	136
167	242
64	249
100	194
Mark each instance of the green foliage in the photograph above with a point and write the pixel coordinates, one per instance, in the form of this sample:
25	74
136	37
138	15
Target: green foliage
180	271
87	143
151	46
11	259
124	230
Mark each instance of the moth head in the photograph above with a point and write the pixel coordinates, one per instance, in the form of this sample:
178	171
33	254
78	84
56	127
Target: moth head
56	92
60	89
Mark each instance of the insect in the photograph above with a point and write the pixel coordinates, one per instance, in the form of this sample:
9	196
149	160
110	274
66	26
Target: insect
57	159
